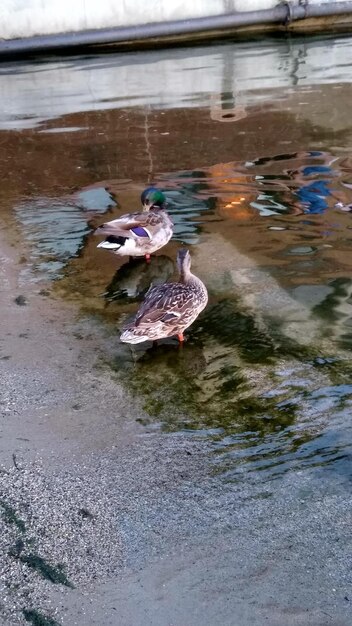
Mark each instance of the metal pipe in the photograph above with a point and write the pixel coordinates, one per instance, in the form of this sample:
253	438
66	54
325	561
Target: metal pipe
283	13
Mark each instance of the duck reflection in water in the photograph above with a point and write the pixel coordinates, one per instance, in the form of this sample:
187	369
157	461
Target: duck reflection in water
133	279
165	354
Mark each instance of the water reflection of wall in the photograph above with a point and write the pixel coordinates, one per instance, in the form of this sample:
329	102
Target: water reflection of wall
244	74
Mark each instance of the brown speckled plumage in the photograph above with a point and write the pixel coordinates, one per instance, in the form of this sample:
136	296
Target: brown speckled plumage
170	308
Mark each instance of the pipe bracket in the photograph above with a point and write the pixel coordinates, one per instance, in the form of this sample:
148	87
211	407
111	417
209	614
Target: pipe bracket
290	12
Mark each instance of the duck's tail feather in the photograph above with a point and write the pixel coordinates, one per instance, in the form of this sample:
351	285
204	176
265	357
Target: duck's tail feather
112	243
129	336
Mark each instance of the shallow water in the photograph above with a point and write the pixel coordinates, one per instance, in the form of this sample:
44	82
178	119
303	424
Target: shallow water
251	143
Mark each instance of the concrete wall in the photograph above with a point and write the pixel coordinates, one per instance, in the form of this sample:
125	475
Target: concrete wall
27	18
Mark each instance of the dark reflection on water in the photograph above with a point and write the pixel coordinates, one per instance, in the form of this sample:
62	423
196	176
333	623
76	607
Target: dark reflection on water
214	393
133	279
257	174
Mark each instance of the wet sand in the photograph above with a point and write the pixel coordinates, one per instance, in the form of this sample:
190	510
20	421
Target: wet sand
106	521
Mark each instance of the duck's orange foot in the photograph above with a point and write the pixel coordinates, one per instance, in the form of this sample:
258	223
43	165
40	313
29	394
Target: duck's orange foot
180	337
147	258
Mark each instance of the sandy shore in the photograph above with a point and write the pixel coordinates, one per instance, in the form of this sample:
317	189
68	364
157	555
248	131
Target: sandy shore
106	522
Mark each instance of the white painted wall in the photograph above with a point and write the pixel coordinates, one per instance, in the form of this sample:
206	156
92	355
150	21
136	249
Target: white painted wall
26	18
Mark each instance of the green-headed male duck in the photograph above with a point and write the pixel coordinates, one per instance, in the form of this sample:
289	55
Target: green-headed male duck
139	234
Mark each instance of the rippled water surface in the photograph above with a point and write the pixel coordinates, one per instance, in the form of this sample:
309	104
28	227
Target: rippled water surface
252	145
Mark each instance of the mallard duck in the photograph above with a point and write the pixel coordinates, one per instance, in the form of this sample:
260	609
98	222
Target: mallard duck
170	308
139	234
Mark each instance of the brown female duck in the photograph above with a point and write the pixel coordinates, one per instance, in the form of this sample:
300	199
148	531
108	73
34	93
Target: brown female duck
169	309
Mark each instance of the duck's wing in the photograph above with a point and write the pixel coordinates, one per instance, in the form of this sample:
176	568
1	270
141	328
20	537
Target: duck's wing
135	225
164	303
